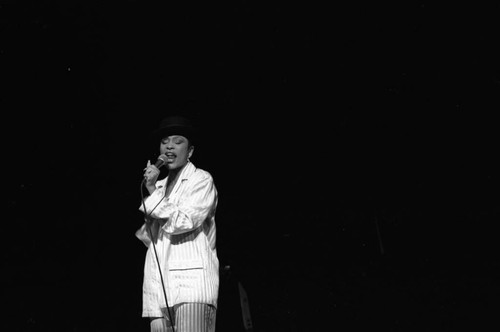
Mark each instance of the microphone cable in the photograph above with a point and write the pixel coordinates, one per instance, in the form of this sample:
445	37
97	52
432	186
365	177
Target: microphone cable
148	223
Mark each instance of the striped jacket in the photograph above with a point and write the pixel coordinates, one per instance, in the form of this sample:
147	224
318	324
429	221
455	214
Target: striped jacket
185	224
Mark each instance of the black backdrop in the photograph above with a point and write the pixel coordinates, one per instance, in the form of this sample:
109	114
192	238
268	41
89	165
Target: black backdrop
353	148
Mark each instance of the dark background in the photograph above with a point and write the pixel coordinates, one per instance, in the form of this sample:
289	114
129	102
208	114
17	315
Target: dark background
321	126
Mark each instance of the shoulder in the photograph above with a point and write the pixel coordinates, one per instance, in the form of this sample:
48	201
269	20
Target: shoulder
202	179
199	174
202	174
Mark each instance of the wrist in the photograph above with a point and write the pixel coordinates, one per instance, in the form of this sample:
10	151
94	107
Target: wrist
150	187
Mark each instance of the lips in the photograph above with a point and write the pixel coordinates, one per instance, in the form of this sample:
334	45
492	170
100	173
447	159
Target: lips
170	156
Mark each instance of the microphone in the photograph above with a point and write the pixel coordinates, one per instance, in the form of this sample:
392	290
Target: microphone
162	160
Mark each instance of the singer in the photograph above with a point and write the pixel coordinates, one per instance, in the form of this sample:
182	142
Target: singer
180	210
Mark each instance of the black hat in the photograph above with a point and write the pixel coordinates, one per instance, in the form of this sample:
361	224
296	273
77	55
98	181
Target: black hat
175	125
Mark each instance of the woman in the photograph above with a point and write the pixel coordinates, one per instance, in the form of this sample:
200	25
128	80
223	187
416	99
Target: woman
180	228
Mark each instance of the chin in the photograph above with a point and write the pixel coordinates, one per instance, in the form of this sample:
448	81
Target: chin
176	165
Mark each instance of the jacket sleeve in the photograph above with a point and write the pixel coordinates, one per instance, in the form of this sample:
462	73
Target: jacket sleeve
150	202
142	234
195	204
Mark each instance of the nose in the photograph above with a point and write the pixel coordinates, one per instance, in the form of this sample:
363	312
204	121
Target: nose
169	145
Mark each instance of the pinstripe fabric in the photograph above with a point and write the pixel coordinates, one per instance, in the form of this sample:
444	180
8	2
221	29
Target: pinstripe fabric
189	317
160	325
185	243
195	317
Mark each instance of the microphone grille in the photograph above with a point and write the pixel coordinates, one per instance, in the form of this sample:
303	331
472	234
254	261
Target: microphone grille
163	158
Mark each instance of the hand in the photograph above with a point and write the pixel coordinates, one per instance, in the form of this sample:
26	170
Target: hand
151	173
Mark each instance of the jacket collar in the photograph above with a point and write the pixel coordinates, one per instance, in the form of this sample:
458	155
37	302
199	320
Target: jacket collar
186	172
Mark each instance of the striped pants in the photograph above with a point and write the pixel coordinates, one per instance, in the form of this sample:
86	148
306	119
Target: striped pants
188	317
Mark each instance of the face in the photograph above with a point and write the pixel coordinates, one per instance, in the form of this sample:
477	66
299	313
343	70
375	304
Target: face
177	149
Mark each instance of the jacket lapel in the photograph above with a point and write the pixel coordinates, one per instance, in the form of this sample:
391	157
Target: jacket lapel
186	172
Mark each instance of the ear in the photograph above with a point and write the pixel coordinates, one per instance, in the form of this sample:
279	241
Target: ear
190	152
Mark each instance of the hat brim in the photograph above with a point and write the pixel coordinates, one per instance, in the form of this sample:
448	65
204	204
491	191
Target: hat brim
186	131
